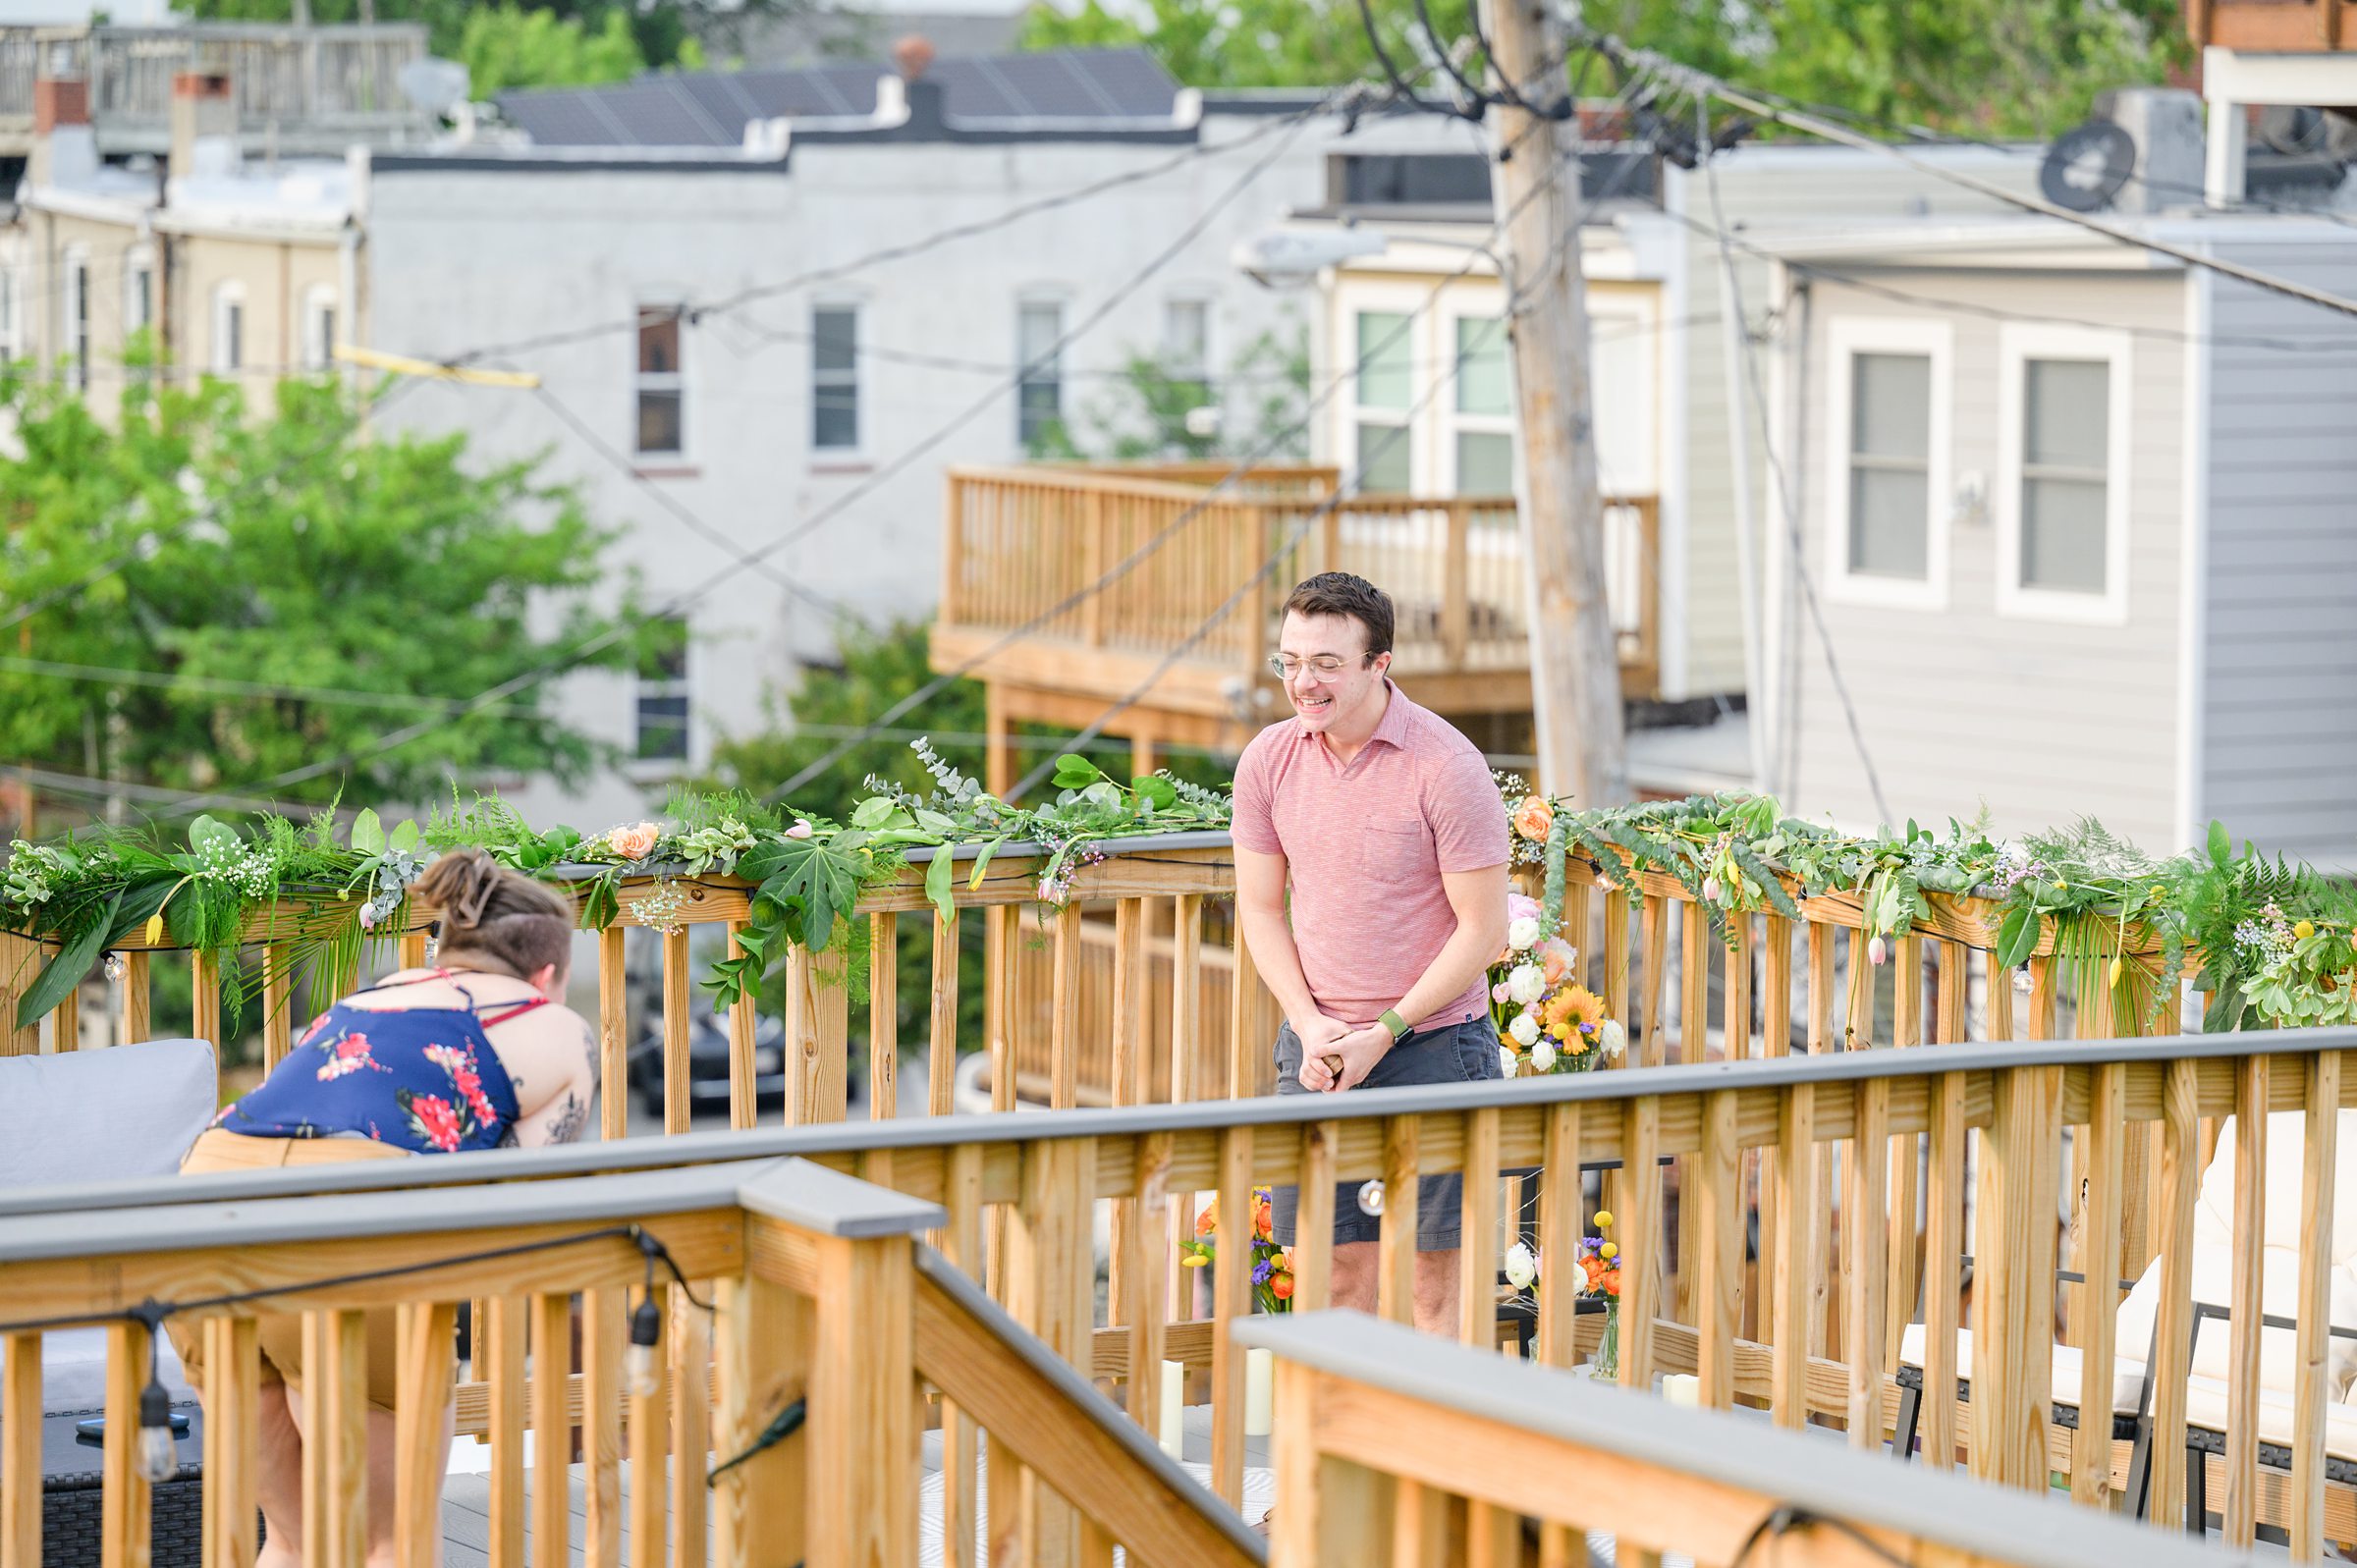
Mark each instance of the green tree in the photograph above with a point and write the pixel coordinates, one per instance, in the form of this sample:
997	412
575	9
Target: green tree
1144	413
508	46
665	34
1996	66
359	581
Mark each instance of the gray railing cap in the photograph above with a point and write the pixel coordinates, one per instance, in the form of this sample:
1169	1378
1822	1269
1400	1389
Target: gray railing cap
1275	1111
795	1191
1786	1467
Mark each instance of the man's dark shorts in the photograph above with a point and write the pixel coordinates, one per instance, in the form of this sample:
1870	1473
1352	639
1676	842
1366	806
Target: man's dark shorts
1461	1053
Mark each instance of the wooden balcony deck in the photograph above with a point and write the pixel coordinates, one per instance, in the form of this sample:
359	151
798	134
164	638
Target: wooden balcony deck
1022	545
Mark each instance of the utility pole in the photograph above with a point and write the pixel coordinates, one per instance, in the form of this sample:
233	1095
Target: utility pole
1574	663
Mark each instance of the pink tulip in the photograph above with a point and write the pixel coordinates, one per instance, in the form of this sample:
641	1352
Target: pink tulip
799	829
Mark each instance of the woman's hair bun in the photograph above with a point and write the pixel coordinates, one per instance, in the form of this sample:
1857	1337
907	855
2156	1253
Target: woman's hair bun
463	885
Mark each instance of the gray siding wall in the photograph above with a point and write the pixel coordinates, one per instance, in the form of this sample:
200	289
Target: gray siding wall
2280	657
2041	720
1770	189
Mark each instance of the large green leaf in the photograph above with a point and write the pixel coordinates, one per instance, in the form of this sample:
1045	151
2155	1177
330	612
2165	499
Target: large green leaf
65	971
940	882
2017	935
2221	844
367	834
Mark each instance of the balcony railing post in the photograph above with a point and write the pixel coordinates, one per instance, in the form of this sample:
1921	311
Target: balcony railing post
2013	1294
760	1506
1456	618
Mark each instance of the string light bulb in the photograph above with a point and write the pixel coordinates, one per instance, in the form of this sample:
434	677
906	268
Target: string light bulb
1370	1199
114	968
639	1369
159	1455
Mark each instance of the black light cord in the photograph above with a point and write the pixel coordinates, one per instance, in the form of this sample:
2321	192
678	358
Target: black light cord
1786	1518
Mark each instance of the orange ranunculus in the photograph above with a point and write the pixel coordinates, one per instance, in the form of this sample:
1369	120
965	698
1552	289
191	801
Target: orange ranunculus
1556	957
1263	1222
1208	1221
1533	818
1281	1286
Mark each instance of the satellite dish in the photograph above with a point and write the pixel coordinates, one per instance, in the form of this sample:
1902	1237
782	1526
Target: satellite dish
435	86
2307	133
2087	165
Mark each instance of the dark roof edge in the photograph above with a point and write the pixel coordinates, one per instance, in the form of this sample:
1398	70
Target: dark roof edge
603	160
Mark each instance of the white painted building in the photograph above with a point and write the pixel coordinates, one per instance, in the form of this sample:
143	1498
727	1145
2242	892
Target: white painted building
706	314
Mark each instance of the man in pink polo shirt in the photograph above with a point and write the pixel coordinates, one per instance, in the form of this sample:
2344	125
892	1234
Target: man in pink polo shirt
1385	827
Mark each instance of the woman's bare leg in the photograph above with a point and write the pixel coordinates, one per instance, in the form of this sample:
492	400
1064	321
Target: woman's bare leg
277	1479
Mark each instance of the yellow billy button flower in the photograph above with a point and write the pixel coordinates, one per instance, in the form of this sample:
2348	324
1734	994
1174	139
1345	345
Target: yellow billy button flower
1608	1251
2303	930
1604	1219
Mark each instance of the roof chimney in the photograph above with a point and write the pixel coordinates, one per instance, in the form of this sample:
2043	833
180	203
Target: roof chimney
204	125
913	54
63	145
927	111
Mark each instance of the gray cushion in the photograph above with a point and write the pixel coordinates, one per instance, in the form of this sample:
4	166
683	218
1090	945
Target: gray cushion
94	1115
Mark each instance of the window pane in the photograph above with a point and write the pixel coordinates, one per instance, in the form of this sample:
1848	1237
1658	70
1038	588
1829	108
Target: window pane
1485	464
1383	467
835	417
2062	535
1039	408
327	336
1383	367
1482	385
658	340
233	337
1186	333
1891	405
1888	522
663	727
658	422
2066	412
1038	327
834	340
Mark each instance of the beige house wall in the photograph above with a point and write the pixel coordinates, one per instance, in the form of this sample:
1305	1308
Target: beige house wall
273	278
52	242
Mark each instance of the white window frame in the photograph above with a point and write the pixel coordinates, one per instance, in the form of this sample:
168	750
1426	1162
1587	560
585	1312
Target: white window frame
74	301
227	296
1411	420
1200	369
319	305
1062	304
1847	337
684	686
856	451
1454	422
673	381
12	306
138	263
2017	343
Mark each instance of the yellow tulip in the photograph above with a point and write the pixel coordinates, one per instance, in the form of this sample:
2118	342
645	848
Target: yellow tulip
155	930
2118	967
1604	1219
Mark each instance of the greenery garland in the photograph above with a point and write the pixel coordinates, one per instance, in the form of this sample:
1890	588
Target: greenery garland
2277	940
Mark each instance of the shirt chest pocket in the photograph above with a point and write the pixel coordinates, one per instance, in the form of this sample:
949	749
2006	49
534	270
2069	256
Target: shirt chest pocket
1395	850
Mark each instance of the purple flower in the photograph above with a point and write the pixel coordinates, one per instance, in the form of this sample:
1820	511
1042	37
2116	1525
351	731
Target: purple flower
1262	1270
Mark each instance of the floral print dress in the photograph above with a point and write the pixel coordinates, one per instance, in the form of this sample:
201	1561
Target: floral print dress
425	1079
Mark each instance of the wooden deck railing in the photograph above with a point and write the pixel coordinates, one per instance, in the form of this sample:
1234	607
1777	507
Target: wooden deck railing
1019	541
1500	1443
1022	1196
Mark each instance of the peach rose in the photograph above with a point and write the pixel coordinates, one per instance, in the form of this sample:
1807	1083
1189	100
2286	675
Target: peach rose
1534	818
634	843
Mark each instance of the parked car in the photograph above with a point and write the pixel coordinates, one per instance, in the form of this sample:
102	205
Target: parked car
708	1063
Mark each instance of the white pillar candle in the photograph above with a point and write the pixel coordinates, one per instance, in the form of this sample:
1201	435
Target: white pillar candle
1683	1389
1260	1391
1174	1409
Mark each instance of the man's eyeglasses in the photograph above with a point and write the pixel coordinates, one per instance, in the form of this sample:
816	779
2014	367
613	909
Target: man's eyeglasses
1288	669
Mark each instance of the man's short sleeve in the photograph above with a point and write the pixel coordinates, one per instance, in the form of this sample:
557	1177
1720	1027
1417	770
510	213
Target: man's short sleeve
1255	826
1466	813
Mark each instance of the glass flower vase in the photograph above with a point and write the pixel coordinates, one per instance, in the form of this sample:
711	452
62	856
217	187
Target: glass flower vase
1604	1363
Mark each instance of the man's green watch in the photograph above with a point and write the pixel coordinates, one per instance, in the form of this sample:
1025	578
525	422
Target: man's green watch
1398	1025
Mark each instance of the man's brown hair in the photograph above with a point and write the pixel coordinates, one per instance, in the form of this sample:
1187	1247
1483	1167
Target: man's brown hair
1339	593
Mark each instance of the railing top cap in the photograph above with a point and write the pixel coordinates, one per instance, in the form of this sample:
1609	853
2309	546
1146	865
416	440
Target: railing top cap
1291	1110
797	1192
1803	1471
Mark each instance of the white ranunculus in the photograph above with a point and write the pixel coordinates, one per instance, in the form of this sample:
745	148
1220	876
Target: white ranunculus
1616	1038
1522	934
1506	1062
1521	1266
1526	984
1524	1029
1542	1055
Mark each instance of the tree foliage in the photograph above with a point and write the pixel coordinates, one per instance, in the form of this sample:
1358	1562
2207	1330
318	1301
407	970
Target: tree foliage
511	46
581	43
1996	66
356	576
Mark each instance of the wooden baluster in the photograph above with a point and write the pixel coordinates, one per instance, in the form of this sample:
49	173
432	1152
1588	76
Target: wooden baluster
1064	1014
20	963
677	1022
21	1453
883	1017
1798	1257
1776	1039
499	1347
1051	1279
1693	1047
1824	1296
961	1244
410	947
648	1426
425	1334
745	1089
2095	1305
1132	1217
2311	1346
613	1040
1615	955
137	999
551	1427
1639	1222
125	1499
1004	931
817	1031
941	1062
1231	1299
278	1005
1187	1078
1313	1218
1905	1156
1654	1050
335	1449
687	1335
1562	1223
1944	1221
1246	1050
760	1507
1138	1303
2246	1301
1718	1201
1863	1237
1396	1245
1477	1232
231	1437
2012	1345
2180	1188
204	974
65	1022
605	1327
